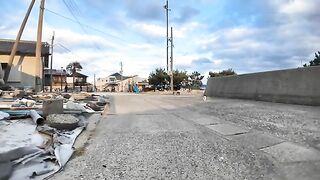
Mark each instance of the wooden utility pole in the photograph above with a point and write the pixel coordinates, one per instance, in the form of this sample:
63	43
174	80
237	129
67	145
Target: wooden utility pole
38	68
15	45
51	62
171	61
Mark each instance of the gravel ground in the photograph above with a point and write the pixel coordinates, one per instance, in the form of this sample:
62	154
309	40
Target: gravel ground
152	137
300	124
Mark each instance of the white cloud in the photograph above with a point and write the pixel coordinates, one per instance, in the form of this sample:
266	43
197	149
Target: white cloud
296	7
150	29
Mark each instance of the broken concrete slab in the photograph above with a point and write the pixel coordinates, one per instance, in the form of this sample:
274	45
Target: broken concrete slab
289	152
256	140
52	107
62	121
78	107
227	129
94	106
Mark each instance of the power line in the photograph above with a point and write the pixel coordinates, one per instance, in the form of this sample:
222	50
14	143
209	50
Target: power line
74	16
67	49
64	47
74	5
88	26
70	9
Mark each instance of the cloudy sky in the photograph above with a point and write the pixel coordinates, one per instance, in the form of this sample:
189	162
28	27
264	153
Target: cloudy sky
209	35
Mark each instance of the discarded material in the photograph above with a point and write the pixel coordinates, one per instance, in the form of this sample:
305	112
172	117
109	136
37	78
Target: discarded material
36	117
43	144
3	115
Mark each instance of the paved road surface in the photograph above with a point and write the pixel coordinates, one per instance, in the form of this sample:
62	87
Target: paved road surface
182	137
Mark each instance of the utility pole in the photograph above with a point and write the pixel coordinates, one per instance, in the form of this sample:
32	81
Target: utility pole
51	62
15	45
166	6
94	82
121	72
171	61
61	79
38	68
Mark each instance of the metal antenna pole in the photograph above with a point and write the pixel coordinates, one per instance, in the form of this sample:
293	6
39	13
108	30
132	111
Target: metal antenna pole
171	61
51	62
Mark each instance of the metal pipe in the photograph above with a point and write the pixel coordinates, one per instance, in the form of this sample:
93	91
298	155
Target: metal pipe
36	117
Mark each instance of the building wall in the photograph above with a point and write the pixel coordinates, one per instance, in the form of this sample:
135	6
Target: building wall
296	86
100	82
25	66
127	84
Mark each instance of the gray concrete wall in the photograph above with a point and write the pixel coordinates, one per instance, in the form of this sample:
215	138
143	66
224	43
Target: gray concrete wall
295	86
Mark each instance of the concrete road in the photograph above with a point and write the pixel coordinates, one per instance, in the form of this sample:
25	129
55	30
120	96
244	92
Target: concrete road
183	137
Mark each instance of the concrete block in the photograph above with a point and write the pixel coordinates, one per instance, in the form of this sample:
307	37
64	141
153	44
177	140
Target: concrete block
62	121
290	152
256	140
52	107
227	129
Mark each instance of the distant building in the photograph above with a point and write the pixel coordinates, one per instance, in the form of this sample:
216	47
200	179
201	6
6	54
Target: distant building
109	83
79	79
23	70
127	84
60	78
118	83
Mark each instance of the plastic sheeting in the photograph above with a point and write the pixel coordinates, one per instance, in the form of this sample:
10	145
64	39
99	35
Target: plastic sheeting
35	152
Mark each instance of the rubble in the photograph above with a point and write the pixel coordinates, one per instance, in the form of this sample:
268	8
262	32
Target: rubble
4	115
47	125
24	103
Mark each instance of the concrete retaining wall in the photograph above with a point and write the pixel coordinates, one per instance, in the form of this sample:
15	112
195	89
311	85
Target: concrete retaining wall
295	86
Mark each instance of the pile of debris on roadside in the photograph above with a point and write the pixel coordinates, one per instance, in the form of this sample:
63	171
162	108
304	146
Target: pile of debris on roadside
37	131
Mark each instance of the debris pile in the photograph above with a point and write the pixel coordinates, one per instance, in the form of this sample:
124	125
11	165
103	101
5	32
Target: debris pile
38	131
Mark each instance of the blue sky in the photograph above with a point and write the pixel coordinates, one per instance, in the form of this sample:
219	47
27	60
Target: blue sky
210	35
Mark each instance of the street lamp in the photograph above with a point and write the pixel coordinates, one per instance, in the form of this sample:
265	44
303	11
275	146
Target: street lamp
61	78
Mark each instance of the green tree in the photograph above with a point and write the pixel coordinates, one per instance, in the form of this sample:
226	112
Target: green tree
315	61
196	78
72	68
159	77
178	77
228	72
